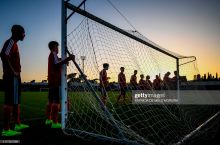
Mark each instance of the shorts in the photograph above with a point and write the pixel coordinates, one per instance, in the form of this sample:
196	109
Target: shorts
104	91
12	90
54	95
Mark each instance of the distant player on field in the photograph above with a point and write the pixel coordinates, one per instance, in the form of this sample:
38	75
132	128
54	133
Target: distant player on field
149	83
104	84
122	84
12	81
157	83
142	83
54	82
167	81
133	81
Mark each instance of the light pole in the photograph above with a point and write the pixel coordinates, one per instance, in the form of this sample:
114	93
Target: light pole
83	59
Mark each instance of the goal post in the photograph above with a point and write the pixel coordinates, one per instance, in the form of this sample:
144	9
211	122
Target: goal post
64	102
118	122
64	52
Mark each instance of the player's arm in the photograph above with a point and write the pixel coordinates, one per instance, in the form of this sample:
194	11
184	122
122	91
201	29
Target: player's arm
66	60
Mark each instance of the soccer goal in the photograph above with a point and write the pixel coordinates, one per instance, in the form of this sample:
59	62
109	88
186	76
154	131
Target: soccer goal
94	42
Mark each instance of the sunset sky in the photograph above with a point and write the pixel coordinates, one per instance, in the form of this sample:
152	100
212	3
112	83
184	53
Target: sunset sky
188	27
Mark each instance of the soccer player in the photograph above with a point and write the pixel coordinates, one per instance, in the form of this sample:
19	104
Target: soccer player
157	83
174	80
149	83
122	84
142	83
12	81
54	82
167	81
133	81
104	84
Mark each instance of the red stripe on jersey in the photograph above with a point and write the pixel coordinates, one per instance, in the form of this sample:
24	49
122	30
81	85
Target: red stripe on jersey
8	49
10	52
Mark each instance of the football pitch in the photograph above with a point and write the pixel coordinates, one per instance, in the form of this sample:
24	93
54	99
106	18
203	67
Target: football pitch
33	105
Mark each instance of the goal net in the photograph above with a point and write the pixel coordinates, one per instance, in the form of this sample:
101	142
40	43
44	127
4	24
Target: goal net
93	44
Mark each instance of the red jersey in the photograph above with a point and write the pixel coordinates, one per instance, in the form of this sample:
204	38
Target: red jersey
10	52
133	80
103	78
54	70
122	80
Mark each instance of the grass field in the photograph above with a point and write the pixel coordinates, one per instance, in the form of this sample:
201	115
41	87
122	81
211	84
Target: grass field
33	113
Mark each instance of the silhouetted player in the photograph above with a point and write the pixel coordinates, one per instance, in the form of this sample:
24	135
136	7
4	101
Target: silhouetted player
54	82
149	83
157	83
133	81
104	84
142	83
122	84
167	81
12	81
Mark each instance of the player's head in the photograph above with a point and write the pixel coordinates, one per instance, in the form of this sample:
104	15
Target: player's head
157	77
147	77
135	72
106	66
175	73
168	73
18	32
53	46
141	76
122	69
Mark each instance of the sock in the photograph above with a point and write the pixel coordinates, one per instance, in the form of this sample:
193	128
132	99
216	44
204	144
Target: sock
16	113
7	110
49	111
55	112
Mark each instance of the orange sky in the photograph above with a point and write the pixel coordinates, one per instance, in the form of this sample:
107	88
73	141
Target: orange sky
189	27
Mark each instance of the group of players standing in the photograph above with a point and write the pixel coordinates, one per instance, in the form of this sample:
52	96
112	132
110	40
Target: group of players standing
157	84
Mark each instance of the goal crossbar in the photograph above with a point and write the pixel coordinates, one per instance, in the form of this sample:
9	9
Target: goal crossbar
107	24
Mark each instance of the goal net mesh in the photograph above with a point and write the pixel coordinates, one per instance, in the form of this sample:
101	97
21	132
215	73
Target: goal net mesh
94	44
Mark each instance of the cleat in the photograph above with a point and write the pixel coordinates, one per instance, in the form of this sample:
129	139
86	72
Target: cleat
20	126
56	125
48	122
10	133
